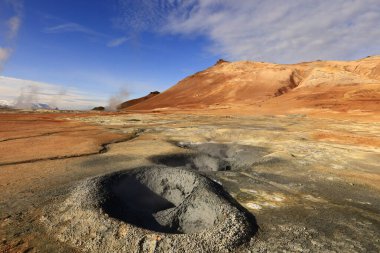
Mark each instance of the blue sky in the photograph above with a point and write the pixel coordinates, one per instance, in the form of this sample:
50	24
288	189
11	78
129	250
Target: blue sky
87	51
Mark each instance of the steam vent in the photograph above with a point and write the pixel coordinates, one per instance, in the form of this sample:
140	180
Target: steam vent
150	209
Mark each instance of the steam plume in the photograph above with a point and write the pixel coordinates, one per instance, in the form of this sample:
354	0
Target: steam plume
115	100
28	96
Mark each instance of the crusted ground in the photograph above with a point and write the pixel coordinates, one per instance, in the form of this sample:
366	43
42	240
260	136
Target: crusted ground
312	184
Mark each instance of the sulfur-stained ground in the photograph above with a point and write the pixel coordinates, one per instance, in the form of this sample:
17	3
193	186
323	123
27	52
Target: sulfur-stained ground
312	184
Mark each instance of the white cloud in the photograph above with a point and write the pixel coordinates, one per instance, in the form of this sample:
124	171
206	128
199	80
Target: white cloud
26	91
270	30
117	42
282	31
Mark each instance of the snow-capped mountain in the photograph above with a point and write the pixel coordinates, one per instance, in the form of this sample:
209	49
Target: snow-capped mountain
33	106
5	104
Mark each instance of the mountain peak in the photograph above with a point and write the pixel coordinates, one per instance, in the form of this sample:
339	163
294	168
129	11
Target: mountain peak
220	61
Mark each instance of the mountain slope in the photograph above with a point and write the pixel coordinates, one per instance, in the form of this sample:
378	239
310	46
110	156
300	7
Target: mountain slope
258	86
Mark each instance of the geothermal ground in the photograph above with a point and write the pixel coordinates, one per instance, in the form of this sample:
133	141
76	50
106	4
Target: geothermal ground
74	182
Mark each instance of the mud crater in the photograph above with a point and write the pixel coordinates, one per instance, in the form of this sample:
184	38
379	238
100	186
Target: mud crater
216	157
153	209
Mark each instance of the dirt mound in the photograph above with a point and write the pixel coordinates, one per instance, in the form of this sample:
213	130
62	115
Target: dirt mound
157	209
132	102
99	108
254	87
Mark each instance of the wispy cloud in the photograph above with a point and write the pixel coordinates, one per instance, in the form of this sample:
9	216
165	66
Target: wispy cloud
271	30
136	16
63	97
73	27
117	42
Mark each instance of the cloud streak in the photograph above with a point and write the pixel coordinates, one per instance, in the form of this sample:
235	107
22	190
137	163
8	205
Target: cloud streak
117	42
73	27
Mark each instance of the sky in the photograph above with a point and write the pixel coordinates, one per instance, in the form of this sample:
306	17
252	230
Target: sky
77	54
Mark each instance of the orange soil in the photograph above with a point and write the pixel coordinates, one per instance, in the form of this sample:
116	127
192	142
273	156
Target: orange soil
25	137
345	138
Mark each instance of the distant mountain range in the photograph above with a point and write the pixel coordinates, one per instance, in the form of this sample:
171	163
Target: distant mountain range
4	104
